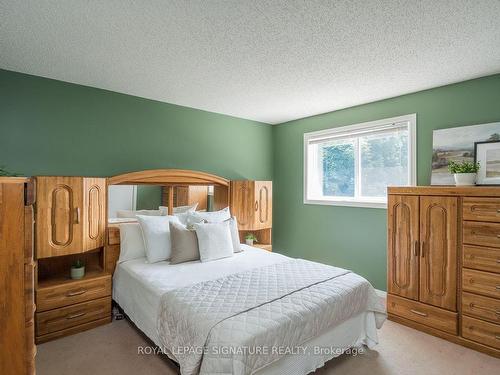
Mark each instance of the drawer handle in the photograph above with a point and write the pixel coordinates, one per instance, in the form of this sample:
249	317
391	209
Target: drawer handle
77	293
75	315
418	312
497	337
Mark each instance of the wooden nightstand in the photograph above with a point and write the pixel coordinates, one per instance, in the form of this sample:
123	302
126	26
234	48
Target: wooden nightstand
66	306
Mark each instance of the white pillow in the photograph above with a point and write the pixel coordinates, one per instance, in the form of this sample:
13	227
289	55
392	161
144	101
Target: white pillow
156	233
209	217
235	235
214	241
161	211
183	209
131	242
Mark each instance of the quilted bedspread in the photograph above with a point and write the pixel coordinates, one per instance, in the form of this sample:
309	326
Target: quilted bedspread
241	323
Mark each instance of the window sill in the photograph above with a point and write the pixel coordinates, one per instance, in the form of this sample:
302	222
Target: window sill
346	203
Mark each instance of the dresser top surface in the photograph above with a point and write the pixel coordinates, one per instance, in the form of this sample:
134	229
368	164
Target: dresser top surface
469	191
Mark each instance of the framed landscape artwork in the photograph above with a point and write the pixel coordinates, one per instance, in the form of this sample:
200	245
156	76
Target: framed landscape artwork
458	144
488	156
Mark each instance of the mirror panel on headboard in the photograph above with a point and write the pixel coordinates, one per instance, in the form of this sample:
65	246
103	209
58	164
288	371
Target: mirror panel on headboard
150	189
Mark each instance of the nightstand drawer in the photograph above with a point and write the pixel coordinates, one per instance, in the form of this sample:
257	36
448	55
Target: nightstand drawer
481	307
481	209
51	297
481	331
480	282
484	234
421	313
482	258
65	317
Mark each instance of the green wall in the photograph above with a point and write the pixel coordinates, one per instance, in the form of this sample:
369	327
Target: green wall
49	127
355	238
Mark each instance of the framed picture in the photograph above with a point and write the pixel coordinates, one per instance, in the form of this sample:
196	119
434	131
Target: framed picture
457	144
488	156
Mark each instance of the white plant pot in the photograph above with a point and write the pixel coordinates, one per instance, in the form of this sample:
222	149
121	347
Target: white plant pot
249	242
462	179
77	273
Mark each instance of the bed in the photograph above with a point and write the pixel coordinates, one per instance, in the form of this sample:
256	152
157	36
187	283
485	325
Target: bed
254	312
139	288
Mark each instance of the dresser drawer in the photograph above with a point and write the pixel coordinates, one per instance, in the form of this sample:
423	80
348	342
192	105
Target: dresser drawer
481	307
481	209
52	297
421	313
480	282
481	258
65	317
481	331
485	234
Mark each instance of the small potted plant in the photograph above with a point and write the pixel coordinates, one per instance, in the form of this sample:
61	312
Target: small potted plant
250	239
77	270
464	172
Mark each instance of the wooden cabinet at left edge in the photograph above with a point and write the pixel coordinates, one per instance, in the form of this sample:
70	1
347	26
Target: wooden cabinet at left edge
70	225
444	263
17	308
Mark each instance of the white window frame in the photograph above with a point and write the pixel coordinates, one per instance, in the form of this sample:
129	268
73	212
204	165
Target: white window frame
356	128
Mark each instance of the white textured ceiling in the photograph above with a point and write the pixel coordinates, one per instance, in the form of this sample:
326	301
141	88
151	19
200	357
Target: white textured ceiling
270	61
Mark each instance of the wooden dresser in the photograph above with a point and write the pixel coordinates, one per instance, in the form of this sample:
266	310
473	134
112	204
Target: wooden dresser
70	226
252	204
444	263
17	308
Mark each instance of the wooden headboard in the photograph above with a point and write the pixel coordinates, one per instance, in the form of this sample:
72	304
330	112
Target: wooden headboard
163	177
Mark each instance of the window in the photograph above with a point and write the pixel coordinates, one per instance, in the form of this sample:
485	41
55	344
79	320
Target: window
353	165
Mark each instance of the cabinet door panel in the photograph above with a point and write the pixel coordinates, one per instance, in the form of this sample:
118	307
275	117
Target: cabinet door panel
403	219
263	204
94	212
438	255
242	203
58	216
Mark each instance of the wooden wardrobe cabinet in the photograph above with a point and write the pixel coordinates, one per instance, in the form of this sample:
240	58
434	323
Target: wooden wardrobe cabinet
17	308
443	254
251	203
70	215
423	249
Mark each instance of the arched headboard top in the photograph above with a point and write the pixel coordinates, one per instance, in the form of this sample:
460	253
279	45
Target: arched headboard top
168	177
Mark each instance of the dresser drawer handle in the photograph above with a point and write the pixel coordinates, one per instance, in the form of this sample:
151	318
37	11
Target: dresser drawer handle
77	293
418	313
497	337
75	315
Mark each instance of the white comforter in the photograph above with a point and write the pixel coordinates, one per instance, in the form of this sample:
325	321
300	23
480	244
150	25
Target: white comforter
242	322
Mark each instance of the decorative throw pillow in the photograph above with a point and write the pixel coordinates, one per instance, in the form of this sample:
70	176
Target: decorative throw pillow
131	242
235	235
184	244
214	241
209	217
156	233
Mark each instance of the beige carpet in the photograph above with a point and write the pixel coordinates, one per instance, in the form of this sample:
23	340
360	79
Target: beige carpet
112	349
